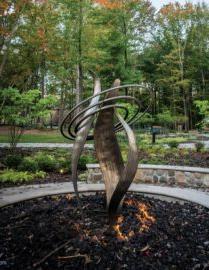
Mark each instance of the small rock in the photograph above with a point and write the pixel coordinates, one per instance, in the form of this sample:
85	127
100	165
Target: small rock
3	263
155	178
197	266
163	179
171	173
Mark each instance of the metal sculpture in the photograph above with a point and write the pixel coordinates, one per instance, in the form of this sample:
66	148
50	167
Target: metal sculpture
77	126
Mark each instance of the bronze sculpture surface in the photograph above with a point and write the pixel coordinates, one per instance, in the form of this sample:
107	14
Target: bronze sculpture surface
103	106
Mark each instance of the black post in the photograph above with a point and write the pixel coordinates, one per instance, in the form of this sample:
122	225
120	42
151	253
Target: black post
153	137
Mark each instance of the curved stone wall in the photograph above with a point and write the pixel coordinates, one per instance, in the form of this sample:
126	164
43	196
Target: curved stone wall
160	174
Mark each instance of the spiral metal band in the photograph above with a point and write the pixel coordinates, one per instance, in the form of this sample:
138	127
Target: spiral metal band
77	125
72	123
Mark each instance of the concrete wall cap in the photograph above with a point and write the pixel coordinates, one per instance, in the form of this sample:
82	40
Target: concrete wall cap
161	167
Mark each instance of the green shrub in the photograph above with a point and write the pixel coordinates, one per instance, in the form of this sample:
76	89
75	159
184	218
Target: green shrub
46	162
200	146
83	177
19	177
173	144
144	161
154	150
40	174
13	161
154	161
85	160
82	163
29	164
63	165
179	139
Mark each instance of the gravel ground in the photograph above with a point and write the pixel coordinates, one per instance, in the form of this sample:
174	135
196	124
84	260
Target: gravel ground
49	233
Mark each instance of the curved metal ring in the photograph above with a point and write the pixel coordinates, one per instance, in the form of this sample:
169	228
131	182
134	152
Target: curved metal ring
82	116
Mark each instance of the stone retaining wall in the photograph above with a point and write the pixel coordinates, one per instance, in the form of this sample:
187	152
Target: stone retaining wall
160	174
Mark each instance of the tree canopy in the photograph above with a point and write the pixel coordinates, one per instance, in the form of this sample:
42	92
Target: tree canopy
56	45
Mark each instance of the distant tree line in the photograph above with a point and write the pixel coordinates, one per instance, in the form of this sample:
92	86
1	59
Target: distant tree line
56	45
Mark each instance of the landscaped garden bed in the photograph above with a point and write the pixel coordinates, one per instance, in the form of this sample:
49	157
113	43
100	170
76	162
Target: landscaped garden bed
48	178
173	156
50	165
36	167
49	233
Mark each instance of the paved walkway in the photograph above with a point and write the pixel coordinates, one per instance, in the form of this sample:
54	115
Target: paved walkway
17	194
87	146
46	145
192	145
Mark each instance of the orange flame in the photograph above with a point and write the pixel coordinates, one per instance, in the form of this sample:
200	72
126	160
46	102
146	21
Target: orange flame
143	216
116	227
69	197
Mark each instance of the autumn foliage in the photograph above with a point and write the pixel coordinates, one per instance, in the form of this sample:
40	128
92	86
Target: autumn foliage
115	4
109	4
176	10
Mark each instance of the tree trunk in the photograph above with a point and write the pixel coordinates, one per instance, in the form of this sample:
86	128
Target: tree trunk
43	71
190	103
61	108
203	84
79	81
125	49
181	66
185	111
79	84
154	103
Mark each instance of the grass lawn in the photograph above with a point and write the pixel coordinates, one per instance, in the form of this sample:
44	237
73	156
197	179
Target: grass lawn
37	138
58	138
54	136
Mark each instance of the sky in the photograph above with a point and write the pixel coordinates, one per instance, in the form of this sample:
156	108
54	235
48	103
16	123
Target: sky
159	3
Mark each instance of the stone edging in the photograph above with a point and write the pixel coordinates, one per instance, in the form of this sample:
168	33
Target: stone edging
10	196
160	174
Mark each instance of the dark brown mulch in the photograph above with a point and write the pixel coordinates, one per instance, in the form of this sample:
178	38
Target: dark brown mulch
19	151
49	233
191	158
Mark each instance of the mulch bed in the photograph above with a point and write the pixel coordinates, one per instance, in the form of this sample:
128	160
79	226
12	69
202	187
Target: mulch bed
191	158
49	233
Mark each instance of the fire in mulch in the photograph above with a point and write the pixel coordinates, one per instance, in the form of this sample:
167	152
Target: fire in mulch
50	233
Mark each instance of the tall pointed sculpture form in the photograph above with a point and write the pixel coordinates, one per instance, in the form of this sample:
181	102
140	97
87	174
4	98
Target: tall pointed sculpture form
77	126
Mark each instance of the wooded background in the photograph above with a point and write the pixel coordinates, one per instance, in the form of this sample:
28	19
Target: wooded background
55	45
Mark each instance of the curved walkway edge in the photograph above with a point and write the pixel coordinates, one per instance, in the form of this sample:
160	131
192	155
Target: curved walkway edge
12	195
45	145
